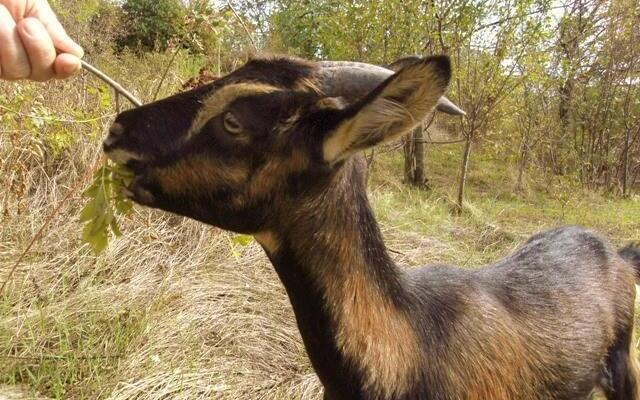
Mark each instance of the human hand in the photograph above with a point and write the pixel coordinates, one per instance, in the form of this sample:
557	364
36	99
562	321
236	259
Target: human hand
30	33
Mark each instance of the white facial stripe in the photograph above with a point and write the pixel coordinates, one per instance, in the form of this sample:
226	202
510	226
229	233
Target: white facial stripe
220	99
120	156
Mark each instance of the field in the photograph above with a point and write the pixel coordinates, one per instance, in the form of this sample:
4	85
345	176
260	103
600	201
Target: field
175	309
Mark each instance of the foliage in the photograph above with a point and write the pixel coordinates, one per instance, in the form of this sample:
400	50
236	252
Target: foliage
204	27
378	31
106	201
151	24
579	57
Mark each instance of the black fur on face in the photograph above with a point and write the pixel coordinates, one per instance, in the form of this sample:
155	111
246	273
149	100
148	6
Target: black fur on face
252	146
226	153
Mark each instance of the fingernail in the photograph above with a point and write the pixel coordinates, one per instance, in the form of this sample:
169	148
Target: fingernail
71	69
76	49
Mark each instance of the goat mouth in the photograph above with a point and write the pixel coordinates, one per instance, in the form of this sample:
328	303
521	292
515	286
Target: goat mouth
138	189
139	192
121	156
136	166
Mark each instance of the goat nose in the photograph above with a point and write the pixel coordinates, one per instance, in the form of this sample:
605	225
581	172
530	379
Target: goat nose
116	129
109	142
115	132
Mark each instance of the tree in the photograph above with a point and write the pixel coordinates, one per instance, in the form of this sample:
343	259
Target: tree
488	64
151	24
545	83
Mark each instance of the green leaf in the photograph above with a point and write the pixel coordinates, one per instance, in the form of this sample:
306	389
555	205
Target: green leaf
242	240
87	233
115	229
91	191
99	243
124	206
88	212
99	214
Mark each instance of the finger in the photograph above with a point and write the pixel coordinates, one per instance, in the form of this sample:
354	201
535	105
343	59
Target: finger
15	64
66	65
59	36
39	48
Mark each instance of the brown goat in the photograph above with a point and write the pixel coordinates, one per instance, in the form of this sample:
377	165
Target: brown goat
271	150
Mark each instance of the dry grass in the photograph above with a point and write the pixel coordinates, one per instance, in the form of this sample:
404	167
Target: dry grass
174	309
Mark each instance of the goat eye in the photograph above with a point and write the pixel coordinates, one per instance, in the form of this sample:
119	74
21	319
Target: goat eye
231	124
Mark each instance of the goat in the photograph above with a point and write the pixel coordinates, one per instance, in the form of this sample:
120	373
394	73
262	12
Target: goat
272	150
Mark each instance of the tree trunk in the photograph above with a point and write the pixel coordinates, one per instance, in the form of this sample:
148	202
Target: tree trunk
625	165
419	146
409	159
414	158
523	160
463	173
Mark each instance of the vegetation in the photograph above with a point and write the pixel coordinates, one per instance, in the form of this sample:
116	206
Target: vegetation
177	309
151	24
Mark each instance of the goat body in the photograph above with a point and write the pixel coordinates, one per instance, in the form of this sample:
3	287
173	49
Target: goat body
271	150
552	321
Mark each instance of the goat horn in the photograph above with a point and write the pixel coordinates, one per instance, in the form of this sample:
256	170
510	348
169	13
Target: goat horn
352	80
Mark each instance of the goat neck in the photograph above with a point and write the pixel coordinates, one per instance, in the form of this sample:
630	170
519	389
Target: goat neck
346	292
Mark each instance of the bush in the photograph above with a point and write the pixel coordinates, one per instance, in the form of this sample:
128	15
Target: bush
151	24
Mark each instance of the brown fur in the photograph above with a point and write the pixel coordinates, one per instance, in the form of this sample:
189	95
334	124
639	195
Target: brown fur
268	241
375	335
371	331
197	174
308	85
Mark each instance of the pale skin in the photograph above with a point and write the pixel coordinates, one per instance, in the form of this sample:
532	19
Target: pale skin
33	43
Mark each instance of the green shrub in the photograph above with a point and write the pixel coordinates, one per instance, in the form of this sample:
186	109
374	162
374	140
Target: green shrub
151	24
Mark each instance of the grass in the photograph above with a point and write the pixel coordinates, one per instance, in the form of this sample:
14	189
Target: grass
497	219
174	309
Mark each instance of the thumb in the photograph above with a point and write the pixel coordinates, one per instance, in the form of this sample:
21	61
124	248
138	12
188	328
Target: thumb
61	40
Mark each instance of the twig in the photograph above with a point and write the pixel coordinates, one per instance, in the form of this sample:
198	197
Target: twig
506	19
88	172
166	72
445	142
395	251
253	43
111	83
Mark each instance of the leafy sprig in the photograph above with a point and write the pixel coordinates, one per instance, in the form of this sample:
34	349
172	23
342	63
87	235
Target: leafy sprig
107	203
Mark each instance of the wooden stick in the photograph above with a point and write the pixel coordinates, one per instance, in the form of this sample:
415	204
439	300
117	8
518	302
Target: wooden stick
115	85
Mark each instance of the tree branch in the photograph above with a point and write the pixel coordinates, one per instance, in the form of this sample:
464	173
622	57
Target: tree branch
253	43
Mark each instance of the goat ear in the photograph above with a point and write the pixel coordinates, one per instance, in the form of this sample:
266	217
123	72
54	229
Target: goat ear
393	108
403	62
